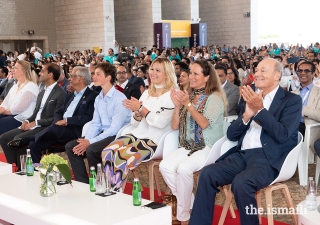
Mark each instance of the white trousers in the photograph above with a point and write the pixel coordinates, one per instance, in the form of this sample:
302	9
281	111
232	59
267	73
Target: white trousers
177	171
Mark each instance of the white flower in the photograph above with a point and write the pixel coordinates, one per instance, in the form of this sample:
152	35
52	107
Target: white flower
43	171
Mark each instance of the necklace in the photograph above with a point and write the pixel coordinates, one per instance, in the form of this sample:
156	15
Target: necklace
158	86
199	91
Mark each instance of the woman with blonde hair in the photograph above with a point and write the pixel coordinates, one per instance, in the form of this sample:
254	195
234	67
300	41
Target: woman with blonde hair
199	118
151	118
21	99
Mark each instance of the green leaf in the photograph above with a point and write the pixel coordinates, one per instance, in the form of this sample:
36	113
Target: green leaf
65	172
50	168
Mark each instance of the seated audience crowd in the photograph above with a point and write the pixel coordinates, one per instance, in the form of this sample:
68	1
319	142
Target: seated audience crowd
271	93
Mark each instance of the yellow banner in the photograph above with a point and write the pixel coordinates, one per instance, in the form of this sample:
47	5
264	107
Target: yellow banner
96	49
179	28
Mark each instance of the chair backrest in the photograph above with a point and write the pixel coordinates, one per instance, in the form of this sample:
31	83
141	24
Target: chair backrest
214	153
160	149
85	129
231	118
227	145
226	124
170	143
124	130
289	165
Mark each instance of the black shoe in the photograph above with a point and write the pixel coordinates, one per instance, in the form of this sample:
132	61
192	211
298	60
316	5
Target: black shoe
17	143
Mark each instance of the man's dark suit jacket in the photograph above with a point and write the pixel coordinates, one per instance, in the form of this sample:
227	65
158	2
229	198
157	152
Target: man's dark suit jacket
279	124
96	89
83	112
132	90
3	85
7	89
53	103
233	95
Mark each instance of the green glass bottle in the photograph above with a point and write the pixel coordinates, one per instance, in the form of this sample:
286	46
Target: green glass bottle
29	164
136	192
92	179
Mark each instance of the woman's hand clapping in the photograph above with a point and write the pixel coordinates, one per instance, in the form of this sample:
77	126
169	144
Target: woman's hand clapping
132	104
179	97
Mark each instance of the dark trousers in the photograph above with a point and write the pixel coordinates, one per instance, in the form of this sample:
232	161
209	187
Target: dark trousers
93	154
52	135
8	123
13	154
302	128
317	147
248	171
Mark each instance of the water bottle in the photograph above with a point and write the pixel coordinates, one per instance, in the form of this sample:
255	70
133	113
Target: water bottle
29	164
311	199
136	192
92	179
100	180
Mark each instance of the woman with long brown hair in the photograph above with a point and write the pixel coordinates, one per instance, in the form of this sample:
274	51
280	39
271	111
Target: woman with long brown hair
199	118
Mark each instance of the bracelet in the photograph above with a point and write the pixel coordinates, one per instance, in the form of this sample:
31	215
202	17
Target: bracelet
140	108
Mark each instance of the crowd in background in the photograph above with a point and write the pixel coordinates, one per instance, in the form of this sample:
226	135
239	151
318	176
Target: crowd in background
170	81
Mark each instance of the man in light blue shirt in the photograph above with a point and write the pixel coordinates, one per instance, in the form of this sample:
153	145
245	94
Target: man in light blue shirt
309	94
109	117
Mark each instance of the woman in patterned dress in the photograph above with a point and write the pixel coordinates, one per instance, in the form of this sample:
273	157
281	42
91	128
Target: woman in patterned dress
151	118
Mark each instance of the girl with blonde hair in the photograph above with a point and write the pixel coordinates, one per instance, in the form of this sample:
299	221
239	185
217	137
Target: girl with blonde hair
151	118
21	99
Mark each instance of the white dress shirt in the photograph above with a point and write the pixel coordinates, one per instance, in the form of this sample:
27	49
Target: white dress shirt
224	84
124	84
43	101
252	138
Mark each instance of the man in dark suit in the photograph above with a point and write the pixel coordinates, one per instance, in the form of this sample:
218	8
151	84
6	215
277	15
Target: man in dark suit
231	90
48	102
3	78
266	131
6	90
126	87
68	121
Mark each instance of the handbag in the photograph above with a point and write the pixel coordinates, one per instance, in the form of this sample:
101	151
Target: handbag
171	200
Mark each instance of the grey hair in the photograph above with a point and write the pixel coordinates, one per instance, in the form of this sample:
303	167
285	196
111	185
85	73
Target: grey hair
83	72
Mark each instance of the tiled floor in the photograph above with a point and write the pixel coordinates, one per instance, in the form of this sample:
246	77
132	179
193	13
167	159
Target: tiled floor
298	193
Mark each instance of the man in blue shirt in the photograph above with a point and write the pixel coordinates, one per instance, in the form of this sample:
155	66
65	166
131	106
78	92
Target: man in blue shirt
68	121
109	117
310	95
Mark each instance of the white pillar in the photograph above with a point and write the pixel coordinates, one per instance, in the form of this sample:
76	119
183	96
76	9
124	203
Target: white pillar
109	24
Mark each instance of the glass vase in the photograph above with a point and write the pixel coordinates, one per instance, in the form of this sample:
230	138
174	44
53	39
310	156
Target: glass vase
47	186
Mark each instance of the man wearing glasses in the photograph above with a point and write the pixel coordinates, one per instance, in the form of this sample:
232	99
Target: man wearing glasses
310	95
127	88
68	121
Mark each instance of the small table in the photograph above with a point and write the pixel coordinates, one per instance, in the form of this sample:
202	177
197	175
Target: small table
5	168
306	217
21	203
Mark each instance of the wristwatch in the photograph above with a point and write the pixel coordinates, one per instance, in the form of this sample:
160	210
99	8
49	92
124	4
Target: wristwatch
189	104
140	109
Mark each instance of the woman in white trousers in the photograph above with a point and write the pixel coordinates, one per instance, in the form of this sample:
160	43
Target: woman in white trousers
199	118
